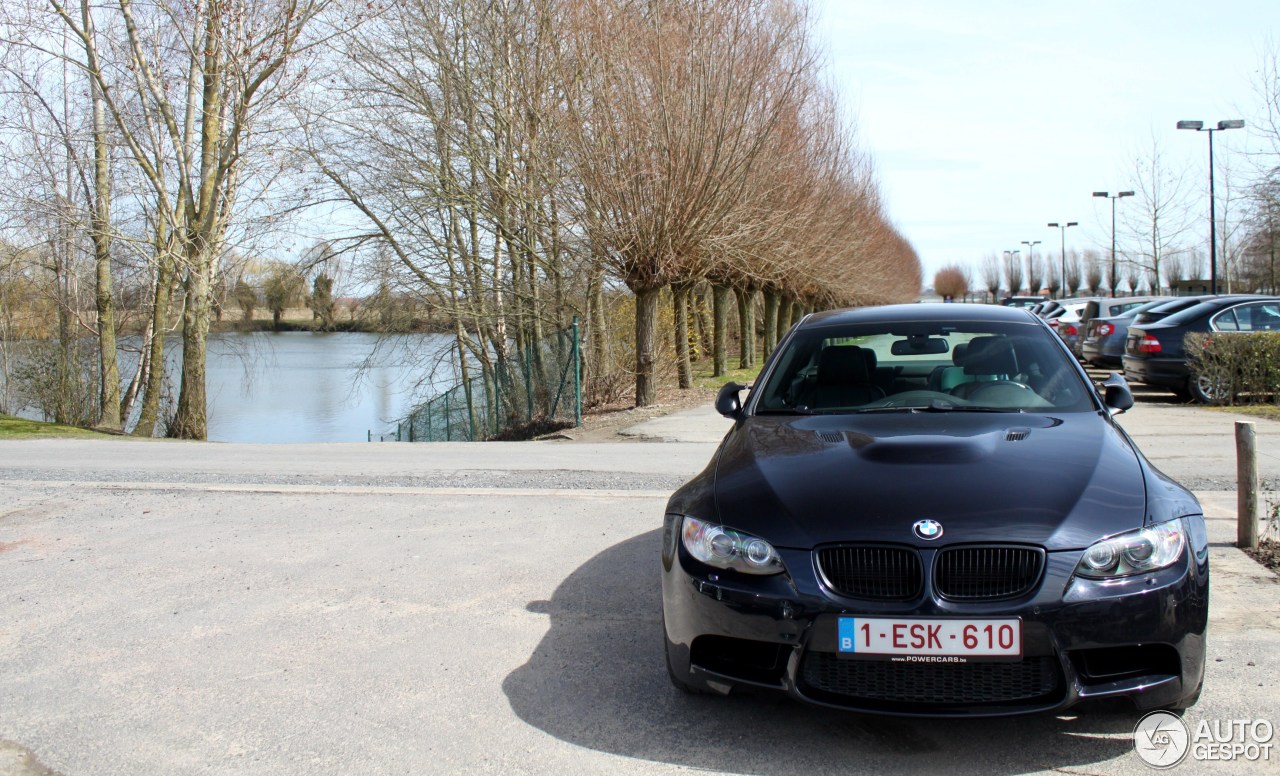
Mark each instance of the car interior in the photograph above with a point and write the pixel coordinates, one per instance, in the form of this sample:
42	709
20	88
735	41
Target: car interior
861	370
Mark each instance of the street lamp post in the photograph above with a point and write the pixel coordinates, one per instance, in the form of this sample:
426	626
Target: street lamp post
1031	257
1063	277
1199	126
1113	231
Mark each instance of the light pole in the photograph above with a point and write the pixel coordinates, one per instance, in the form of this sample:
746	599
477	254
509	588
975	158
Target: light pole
1063	277
1113	231
1199	126
1031	257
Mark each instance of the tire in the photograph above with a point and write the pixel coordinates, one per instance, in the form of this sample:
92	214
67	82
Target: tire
1205	390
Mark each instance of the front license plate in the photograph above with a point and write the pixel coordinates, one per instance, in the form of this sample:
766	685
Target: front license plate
930	640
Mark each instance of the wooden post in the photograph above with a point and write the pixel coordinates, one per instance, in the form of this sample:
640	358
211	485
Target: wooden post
1246	485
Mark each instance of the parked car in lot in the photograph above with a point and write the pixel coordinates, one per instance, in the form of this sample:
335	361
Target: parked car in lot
1065	321
1102	343
1102	307
978	539
1021	301
1165	309
1154	353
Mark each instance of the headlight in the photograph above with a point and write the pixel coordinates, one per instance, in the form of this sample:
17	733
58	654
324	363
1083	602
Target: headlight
1136	552
726	548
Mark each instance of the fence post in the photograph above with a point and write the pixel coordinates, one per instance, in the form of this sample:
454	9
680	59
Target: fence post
1246	485
577	376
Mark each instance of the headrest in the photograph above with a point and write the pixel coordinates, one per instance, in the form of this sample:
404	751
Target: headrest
843	364
990	356
958	355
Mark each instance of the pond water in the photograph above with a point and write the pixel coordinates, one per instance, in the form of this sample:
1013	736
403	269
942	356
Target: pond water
306	387
319	387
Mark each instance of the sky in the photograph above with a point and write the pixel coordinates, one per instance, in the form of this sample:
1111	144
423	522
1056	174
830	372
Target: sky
988	119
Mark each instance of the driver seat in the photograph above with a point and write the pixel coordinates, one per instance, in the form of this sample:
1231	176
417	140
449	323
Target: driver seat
989	359
843	378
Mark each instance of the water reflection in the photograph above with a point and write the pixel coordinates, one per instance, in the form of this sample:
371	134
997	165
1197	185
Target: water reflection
305	387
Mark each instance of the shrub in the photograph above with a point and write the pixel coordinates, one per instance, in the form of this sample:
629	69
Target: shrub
1241	367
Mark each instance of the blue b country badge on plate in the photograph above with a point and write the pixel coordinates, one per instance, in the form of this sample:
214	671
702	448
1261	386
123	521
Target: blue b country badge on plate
847	636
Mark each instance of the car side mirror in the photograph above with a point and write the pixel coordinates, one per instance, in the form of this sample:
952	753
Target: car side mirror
1116	394
728	401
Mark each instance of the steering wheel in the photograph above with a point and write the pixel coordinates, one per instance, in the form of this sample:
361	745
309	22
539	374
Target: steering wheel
1005	385
919	399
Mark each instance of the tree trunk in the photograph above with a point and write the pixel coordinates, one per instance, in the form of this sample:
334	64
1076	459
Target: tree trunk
680	303
747	328
699	302
155	364
784	318
720	316
646	337
100	219
772	300
191	420
598	328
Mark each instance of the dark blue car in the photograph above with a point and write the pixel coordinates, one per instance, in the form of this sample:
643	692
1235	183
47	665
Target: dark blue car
1154	352
929	510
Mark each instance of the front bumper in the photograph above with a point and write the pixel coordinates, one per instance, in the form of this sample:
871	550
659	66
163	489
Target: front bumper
1140	639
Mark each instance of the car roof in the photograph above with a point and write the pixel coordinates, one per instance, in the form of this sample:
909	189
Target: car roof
920	312
1209	305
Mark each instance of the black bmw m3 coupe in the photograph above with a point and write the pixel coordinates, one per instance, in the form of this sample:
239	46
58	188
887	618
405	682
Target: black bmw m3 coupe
929	510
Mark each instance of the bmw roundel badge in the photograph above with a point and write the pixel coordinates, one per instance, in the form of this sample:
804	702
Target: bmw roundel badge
927	529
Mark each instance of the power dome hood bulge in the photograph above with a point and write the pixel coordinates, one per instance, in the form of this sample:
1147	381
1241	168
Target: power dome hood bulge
1060	482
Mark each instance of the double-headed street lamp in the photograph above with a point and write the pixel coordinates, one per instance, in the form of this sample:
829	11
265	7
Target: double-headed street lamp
1063	277
1199	126
1113	231
1031	258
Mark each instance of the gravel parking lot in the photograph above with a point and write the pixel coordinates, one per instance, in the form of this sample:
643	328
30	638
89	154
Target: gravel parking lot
191	609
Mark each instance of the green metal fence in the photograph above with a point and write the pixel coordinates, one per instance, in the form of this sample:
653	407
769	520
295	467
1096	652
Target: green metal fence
540	387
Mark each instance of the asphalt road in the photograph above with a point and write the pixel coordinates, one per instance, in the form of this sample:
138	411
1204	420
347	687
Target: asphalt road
177	608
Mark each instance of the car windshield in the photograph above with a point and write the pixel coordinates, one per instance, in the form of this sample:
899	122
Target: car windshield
923	366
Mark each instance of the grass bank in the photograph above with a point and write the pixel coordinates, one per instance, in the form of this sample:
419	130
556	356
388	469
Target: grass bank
21	428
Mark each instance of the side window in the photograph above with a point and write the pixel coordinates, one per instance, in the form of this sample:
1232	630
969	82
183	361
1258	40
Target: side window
1225	321
1266	316
1258	316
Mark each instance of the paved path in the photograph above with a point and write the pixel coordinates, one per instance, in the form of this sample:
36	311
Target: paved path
176	608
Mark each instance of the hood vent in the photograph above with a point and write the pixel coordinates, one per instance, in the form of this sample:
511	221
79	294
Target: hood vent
831	437
1017	434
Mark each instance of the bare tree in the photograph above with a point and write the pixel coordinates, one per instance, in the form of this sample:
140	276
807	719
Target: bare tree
1013	271
1074	274
203	103
951	282
1035	273
1093	272
990	269
1159	219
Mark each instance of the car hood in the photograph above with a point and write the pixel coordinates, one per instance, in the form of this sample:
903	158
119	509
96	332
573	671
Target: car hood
1059	482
